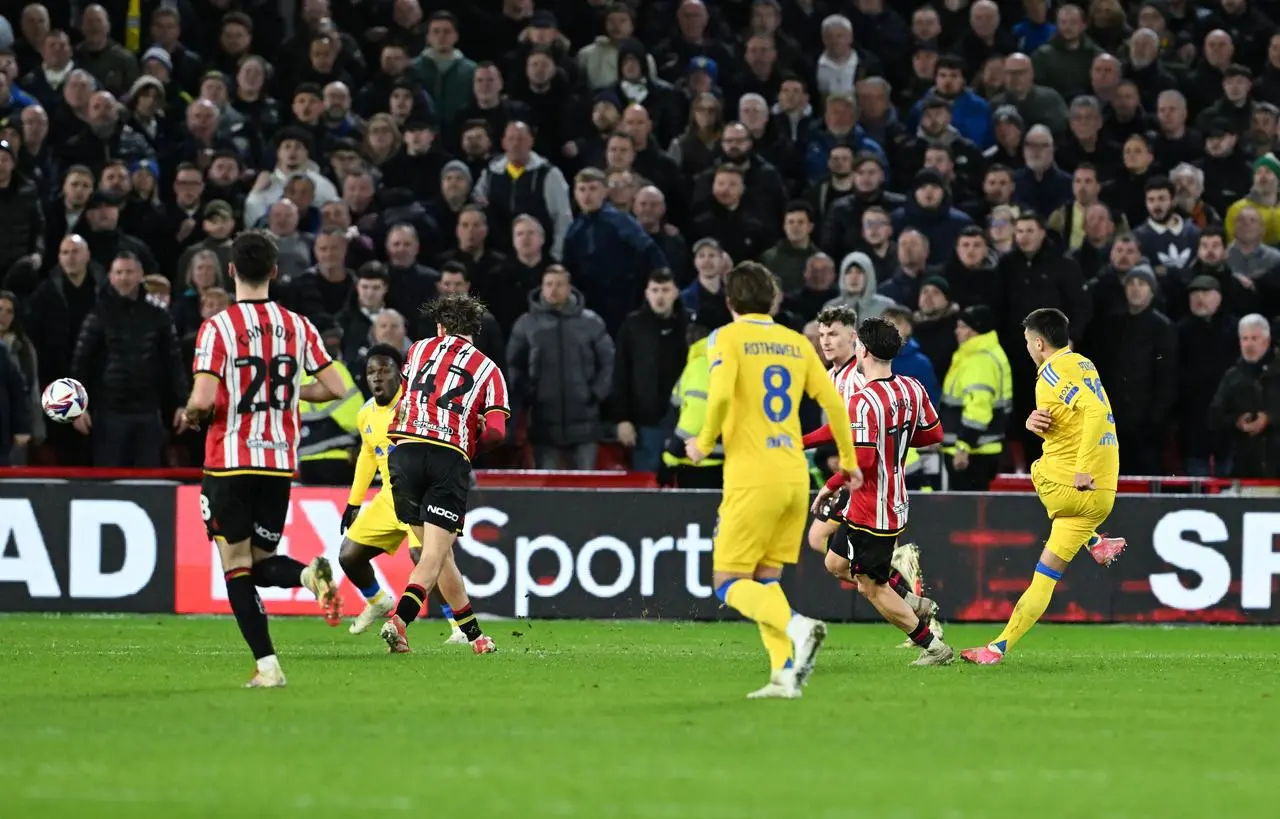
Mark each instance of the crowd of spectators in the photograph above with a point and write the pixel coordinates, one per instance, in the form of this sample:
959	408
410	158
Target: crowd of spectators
590	169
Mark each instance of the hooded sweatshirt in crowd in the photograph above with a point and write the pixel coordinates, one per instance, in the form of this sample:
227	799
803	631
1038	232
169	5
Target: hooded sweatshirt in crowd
867	302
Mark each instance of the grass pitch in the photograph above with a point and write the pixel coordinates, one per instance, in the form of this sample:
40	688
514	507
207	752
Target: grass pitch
141	717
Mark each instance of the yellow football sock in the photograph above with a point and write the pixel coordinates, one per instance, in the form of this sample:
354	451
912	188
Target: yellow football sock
778	644
765	603
377	598
1030	607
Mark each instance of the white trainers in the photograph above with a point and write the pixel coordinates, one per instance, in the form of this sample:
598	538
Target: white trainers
268	674
782	685
373	612
807	636
456	638
926	610
938	653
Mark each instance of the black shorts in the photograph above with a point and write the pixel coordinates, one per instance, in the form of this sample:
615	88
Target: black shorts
246	507
869	553
834	507
429	484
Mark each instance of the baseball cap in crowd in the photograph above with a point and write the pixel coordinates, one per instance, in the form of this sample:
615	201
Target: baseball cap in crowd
218	208
707	241
1204	282
8	148
706	65
543	19
979	318
932	100
102	199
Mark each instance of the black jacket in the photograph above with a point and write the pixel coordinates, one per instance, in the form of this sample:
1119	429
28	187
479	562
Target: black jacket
1250	388
842	226
650	356
1139	365
15	406
54	323
319	299
1207	347
21	222
969	286
128	356
1045	279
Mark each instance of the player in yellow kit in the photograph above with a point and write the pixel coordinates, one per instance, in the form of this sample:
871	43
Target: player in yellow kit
759	373
1075	477
375	529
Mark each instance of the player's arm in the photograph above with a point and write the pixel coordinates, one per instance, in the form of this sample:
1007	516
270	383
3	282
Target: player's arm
724	376
316	362
208	363
930	430
821	435
366	466
497	409
819	387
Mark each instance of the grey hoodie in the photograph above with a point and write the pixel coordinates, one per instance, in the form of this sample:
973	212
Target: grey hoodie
867	303
555	196
560	364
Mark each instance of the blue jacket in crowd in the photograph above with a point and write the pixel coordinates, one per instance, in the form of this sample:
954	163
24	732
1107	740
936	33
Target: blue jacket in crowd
821	141
911	361
609	257
970	114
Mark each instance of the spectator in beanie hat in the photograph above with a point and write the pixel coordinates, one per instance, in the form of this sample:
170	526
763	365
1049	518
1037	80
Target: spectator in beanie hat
1009	128
929	211
1263	196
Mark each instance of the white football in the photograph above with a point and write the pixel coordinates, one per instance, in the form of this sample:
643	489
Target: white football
64	400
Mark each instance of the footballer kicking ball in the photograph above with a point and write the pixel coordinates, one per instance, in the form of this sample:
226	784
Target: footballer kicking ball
64	400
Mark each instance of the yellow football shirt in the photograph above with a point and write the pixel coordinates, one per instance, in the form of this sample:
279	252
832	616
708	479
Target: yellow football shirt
1082	436
759	372
375	446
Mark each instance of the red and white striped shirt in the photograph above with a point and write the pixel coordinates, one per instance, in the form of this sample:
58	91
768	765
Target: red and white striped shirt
258	350
449	386
886	415
847	379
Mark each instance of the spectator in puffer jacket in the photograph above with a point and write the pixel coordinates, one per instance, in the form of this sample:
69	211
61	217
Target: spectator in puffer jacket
560	366
858	287
129	360
20	213
929	211
608	251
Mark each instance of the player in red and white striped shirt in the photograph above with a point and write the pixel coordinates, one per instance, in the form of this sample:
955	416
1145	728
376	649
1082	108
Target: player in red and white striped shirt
838	339
890	414
455	399
248	365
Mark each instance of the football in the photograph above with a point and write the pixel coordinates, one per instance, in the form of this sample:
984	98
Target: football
64	400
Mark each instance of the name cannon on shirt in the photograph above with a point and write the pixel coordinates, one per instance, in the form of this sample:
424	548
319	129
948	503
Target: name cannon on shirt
772	348
263	331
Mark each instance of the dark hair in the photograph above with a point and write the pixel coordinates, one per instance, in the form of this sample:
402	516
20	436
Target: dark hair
373	270
254	256
83	170
238	18
459	315
951	62
1051	324
454	266
729	167
1158	183
619	135
998	168
1087	166
1213	230
839	314
128	256
1030	215
385	351
447	16
880	338
555	270
971	230
332	231
187	166
163	11
951	154
474	208
799	206
661	275
1126	237
750	288
590	175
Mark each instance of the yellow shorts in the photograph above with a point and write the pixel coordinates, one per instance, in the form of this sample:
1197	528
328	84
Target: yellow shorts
1076	515
377	526
760	526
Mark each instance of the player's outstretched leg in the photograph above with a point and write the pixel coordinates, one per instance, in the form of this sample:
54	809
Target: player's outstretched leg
454	590
1028	611
894	608
907	579
1105	550
356	560
436	544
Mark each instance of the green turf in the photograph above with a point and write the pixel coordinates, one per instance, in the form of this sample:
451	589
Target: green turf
143	717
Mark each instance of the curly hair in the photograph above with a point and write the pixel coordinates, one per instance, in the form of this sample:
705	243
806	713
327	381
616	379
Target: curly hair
458	314
839	314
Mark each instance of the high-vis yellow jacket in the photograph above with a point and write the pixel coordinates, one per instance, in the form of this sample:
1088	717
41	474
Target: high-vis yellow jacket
330	429
690	395
977	397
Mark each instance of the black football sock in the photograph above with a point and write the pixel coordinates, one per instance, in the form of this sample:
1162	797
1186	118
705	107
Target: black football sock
278	570
251	617
921	635
466	620
899	584
411	603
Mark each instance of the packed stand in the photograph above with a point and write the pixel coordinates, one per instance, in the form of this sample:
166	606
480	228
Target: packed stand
591	169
